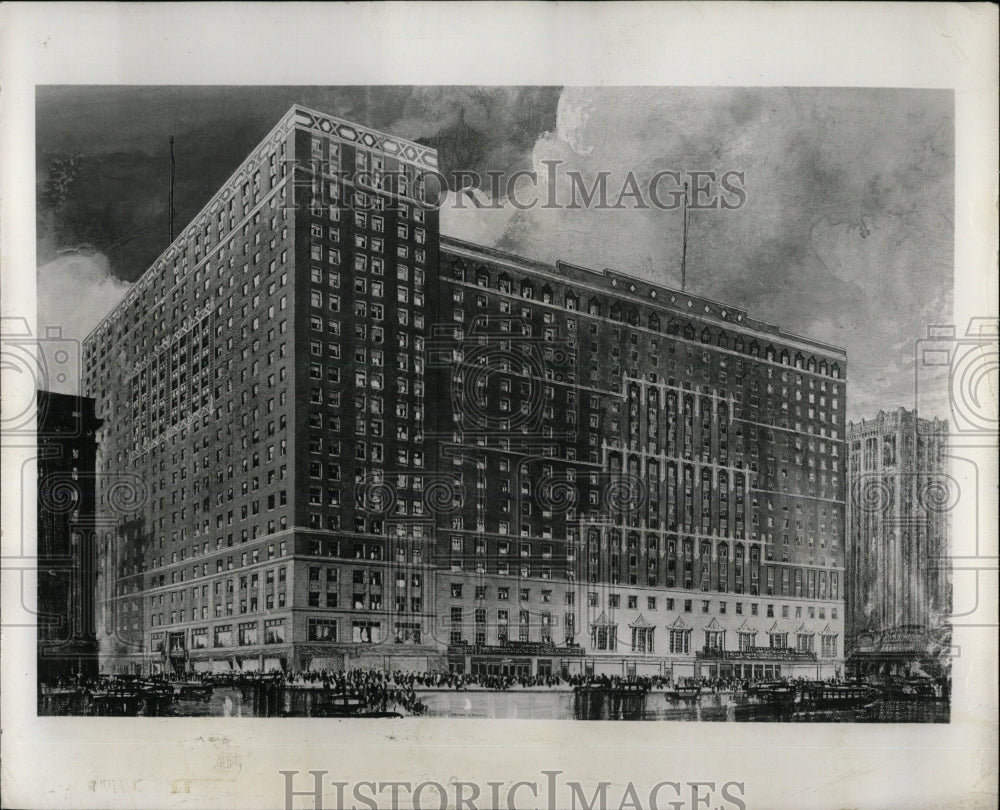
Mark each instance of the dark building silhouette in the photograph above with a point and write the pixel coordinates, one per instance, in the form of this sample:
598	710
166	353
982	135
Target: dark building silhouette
67	639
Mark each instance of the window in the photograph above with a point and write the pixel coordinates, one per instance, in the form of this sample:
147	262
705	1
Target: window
714	639
322	629
248	634
503	619
680	642
604	637
365	632
224	635
274	631
642	639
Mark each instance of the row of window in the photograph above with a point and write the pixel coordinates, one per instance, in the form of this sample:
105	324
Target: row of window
616	311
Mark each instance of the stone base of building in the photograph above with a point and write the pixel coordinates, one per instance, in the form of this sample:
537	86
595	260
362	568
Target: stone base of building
676	669
900	664
501	660
282	658
67	662
905	652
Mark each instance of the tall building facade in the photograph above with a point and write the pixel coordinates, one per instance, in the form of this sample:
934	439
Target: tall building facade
363	444
67	638
899	587
651	479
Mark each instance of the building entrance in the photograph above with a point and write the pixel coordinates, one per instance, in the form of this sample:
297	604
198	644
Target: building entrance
506	667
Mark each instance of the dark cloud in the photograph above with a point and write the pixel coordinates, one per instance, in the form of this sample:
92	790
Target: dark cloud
846	234
103	153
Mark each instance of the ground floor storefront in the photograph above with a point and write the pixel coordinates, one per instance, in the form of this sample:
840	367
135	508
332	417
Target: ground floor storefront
514	659
298	658
525	661
770	670
897	664
510	660
219	662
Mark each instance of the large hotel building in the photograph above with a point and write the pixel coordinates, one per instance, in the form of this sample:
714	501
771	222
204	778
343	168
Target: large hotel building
363	444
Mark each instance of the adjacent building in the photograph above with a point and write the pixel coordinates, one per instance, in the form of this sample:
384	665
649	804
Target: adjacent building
363	444
899	587
652	482
67	639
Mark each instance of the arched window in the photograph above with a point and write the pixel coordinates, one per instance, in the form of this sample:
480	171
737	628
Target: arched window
654	322
594	306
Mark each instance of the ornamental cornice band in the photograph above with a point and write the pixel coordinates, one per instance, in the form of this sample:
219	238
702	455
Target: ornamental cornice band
369	138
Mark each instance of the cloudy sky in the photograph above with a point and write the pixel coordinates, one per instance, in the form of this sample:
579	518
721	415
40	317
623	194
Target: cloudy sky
846	234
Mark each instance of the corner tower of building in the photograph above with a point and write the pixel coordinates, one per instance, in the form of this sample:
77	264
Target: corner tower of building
280	313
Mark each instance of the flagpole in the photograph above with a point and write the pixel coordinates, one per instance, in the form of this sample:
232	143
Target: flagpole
170	193
684	242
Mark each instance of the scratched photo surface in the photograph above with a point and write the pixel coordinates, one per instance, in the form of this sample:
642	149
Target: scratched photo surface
529	402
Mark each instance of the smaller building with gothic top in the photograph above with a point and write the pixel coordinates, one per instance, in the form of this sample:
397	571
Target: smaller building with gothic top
898	583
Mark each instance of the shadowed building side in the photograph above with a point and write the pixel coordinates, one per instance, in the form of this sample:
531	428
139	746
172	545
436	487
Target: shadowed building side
67	639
